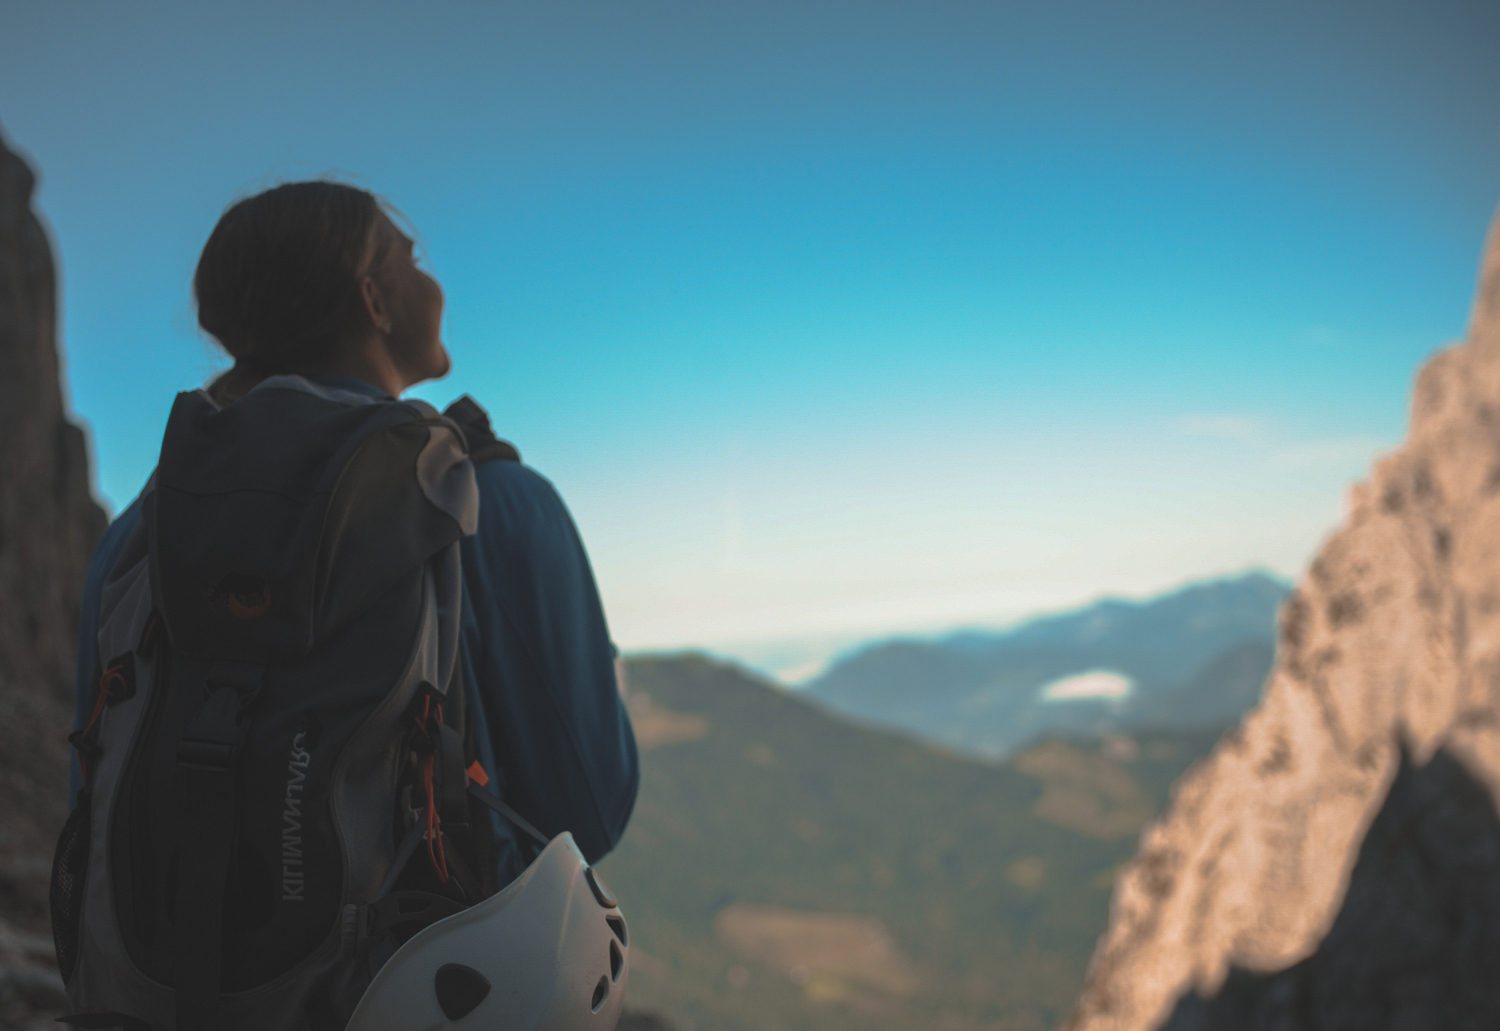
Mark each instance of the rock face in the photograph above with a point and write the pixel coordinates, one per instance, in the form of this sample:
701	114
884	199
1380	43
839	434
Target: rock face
1417	942
49	524
1333	863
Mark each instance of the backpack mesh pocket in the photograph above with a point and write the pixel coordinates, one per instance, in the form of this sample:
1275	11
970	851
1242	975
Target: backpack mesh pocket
70	869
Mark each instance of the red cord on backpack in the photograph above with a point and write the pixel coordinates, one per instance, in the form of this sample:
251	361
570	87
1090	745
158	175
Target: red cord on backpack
434	822
112	676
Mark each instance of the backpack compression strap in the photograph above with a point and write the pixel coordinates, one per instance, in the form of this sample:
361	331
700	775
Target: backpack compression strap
480	795
207	755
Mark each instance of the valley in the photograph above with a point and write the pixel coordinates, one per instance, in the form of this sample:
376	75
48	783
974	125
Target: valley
1189	659
787	869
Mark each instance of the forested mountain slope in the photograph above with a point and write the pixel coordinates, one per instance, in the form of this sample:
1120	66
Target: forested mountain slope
786	869
1193	658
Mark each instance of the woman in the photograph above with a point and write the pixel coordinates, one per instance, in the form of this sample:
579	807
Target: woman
315	280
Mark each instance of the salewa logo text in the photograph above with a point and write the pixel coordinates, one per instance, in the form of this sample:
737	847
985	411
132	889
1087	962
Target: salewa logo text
291	831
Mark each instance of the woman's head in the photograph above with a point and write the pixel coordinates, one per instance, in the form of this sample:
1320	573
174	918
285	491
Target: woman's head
314	277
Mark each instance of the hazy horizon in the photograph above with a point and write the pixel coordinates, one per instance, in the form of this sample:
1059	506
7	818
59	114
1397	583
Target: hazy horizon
793	661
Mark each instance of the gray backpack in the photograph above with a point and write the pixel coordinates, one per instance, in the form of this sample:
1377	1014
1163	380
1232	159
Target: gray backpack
278	766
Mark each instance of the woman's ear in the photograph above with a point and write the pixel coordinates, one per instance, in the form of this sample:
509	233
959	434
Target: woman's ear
374	304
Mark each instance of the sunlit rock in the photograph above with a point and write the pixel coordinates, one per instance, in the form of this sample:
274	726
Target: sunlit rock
1389	655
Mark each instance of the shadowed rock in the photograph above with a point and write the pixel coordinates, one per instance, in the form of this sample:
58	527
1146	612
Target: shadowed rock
1389	645
1417	942
49	524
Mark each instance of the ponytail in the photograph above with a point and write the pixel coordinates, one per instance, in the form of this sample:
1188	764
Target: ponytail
238	380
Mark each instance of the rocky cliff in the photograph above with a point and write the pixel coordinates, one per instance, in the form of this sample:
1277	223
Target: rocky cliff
1334	863
48	526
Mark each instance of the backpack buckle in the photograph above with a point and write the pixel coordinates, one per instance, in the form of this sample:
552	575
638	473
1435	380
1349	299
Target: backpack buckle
212	739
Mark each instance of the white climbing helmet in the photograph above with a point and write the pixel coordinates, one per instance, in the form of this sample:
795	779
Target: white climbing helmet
549	952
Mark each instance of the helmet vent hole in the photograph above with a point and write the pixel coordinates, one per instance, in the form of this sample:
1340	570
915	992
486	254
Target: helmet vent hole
459	989
617	925
616	962
601	992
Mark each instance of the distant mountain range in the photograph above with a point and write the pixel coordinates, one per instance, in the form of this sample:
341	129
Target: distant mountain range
1194	658
787	869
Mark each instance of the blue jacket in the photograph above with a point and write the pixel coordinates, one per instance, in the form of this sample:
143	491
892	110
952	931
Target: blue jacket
538	662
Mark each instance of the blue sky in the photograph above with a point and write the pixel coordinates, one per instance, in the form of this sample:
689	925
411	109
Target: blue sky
828	320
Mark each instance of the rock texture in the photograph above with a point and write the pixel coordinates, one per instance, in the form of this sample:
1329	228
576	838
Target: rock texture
1417	942
48	526
1321	869
31	993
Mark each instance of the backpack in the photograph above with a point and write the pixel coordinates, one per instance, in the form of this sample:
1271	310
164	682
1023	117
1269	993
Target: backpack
277	769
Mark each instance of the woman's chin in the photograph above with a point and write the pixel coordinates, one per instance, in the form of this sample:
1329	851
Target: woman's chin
438	366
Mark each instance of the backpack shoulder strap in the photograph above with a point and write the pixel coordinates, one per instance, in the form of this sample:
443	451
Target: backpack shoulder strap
474	421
